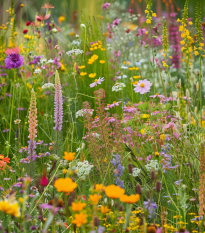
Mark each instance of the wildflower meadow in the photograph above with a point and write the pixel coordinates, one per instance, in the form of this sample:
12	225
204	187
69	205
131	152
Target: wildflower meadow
102	116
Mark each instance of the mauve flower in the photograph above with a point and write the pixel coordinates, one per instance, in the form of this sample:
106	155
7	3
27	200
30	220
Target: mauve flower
106	5
47	206
143	86
14	60
97	81
157	95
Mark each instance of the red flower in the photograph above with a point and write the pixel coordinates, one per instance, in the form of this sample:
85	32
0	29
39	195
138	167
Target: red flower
44	180
39	18
25	31
127	31
7	160
28	23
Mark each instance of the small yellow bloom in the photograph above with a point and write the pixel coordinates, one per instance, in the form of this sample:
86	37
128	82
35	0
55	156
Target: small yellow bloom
190	23
156	154
21	200
61	19
154	15
98	187
80	219
22	5
104	209
81	67
148	21
10	207
71	33
162	136
102	61
83	73
146	11
92	75
94	198
65	171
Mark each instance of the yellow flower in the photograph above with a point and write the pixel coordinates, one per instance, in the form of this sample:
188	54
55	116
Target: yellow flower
83	73
98	187
190	23
154	15
177	216
80	219
162	136
21	200
61	19
156	154
65	171
142	131
81	67
182	42
71	33
102	61
201	44
65	185
113	191
138	76
148	21
92	75
178	20
69	156
146	11
104	209
22	5
95	198
129	199
94	57
78	206
196	53
181	28
9	207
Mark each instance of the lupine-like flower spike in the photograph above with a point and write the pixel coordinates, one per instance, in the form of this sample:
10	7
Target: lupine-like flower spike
32	126
58	112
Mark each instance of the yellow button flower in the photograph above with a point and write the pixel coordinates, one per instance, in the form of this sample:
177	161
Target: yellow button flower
92	75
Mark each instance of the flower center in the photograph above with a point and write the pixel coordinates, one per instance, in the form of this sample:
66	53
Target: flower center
141	84
96	80
156	94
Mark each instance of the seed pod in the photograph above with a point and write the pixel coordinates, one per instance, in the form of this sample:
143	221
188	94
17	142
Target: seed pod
70	200
158	186
130	168
138	189
121	208
153	177
96	221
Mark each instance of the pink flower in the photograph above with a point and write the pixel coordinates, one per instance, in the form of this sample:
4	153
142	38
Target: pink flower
115	22
157	95
106	5
143	86
97	81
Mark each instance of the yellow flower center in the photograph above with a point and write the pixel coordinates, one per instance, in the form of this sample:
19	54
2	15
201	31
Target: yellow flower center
141	84
156	94
96	80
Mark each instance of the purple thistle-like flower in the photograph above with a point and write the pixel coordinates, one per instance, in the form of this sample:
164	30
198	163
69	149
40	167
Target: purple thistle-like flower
32	127
14	60
58	112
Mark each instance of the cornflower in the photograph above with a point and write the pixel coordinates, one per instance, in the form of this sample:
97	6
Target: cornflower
58	112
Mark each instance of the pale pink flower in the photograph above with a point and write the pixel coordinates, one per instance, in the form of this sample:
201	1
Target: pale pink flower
143	86
97	81
157	95
106	5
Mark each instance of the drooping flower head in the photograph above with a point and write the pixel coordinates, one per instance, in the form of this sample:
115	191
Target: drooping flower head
58	112
14	60
143	86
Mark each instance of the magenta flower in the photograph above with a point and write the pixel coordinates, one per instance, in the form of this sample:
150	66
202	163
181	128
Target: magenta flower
106	5
13	60
97	81
115	22
143	86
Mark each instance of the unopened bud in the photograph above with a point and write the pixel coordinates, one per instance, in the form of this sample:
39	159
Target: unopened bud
70	200
158	186
96	221
153	177
130	168
138	189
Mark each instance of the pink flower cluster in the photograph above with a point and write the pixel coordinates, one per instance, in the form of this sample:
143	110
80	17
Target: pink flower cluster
106	5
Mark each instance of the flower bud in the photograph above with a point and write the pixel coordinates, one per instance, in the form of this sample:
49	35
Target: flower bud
121	208
130	168
158	186
153	177
96	221
138	189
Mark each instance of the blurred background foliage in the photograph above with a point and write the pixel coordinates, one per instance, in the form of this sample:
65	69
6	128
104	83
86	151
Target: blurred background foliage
72	10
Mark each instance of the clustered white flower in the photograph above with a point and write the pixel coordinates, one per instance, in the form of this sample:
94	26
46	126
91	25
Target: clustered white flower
84	168
118	87
74	52
76	42
43	60
83	111
123	76
37	71
152	165
47	85
136	171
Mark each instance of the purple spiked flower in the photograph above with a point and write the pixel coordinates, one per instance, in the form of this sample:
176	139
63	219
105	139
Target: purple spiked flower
58	112
13	60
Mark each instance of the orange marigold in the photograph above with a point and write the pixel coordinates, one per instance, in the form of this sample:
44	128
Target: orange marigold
78	206
80	219
69	156
95	198
113	191
130	199
65	185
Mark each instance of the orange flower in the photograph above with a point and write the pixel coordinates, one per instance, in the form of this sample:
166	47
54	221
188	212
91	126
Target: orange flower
104	209
6	159
47	6
80	219
95	198
78	206
65	185
98	187
113	191
2	165
130	199
69	156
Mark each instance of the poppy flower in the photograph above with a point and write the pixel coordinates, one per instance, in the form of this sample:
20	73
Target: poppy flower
25	31
28	23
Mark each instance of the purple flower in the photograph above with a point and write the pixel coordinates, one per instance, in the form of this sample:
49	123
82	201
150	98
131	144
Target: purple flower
33	228
5	130
143	86
3	74
58	112
150	206
106	5
13	60
157	95
47	206
118	170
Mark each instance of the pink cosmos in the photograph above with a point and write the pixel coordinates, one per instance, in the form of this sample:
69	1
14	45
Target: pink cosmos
106	5
97	81
143	86
157	95
115	22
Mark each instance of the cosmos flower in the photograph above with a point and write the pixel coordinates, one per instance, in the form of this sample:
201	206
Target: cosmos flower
14	60
143	86
157	95
97	81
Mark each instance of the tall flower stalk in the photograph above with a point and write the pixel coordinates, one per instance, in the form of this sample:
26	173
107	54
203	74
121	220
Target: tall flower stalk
32	130
58	111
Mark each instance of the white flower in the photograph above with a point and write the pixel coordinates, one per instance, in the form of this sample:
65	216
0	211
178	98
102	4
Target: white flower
84	168
124	67
153	164
54	30
83	111
50	61
118	87
76	42
82	25
43	60
74	52
136	172
37	71
47	85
